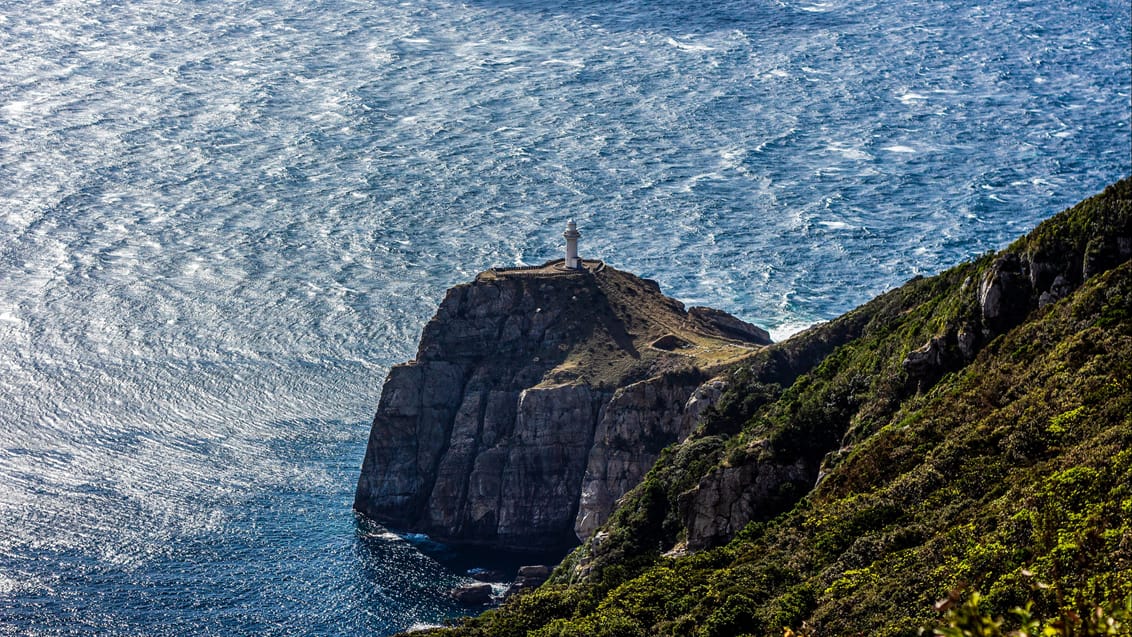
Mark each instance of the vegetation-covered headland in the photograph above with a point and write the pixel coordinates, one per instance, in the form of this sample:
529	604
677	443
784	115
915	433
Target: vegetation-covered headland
970	431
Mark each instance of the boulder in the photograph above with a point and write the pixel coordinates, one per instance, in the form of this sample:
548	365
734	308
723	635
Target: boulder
476	594
729	497
529	578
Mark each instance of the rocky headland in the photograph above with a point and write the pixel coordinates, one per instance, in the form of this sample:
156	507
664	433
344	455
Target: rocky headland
539	397
969	431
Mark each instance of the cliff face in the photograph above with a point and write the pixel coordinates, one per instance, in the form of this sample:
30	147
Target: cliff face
638	422
537	399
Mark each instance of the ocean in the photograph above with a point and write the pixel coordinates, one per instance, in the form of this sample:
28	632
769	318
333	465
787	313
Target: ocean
222	222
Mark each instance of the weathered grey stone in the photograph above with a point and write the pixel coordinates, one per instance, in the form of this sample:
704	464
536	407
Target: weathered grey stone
927	363
486	438
545	462
967	342
1005	293
637	424
472	594
1059	289
529	578
537	570
730	497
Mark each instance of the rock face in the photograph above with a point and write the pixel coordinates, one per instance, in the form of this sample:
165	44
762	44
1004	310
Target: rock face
638	422
1021	279
473	594
534	402
728	498
528	579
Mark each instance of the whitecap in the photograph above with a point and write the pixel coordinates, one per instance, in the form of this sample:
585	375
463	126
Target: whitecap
692	181
899	148
578	64
783	331
849	152
818	7
684	46
731	157
12	585
16	108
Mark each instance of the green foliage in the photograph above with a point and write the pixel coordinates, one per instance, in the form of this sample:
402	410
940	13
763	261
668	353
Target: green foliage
995	470
596	625
971	619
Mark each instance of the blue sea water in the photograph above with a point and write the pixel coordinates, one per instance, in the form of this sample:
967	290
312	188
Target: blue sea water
222	222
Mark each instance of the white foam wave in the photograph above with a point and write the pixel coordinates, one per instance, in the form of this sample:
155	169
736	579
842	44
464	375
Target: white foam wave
685	46
850	152
784	331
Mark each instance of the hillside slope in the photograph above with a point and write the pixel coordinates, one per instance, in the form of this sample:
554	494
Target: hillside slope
970	428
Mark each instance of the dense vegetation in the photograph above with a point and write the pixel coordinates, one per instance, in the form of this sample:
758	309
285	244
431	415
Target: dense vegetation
1002	464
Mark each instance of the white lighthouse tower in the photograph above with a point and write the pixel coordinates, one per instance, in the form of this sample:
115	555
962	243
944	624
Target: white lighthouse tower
572	234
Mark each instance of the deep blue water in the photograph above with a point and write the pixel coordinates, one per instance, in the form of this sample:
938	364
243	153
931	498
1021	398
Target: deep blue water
221	223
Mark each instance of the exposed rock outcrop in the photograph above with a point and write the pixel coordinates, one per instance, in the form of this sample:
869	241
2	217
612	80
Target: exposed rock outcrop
473	594
1005	293
534	402
1030	275
639	421
528	579
729	497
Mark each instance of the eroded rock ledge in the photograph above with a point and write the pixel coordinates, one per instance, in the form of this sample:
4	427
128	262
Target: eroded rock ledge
535	402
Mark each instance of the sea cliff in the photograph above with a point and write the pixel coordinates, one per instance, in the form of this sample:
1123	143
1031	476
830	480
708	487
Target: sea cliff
537	398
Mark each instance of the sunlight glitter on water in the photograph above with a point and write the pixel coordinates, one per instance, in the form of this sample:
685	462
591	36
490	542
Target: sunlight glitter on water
221	224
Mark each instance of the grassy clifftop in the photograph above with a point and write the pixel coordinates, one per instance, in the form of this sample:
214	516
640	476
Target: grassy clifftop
969	429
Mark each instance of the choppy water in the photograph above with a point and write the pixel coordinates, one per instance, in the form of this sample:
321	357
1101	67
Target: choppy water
221	222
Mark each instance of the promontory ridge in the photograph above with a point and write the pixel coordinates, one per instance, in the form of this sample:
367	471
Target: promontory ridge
956	452
538	397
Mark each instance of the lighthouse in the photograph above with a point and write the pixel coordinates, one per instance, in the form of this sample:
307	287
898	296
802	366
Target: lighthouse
572	234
